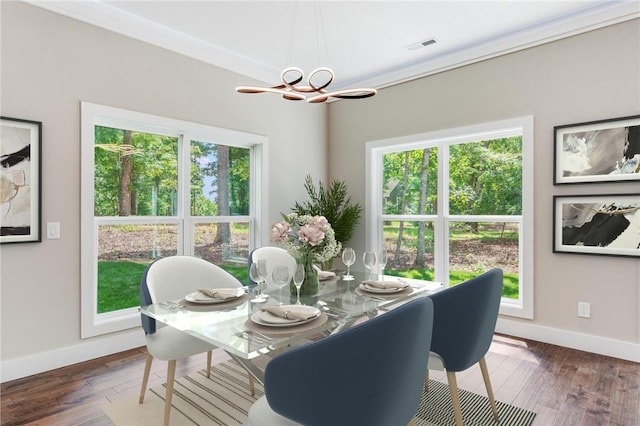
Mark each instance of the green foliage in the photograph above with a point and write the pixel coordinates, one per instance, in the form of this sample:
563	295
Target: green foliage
154	177
334	204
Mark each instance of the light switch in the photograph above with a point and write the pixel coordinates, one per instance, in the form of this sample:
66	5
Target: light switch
53	230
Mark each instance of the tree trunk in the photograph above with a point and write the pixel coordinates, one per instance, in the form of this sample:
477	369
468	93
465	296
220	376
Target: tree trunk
403	208
422	207
126	171
223	231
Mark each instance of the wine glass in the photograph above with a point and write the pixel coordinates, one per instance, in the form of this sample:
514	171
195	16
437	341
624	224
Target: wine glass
348	258
258	273
298	279
369	260
382	261
280	275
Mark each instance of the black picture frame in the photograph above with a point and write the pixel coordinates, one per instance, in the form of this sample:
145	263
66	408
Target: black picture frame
606	224
20	180
597	151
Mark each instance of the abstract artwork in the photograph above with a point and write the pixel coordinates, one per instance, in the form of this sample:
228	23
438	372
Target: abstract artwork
597	224
598	151
20	180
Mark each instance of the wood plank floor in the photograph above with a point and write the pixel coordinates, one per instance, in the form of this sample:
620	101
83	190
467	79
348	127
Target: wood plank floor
563	386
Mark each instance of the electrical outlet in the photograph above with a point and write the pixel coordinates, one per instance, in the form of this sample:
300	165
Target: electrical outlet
584	310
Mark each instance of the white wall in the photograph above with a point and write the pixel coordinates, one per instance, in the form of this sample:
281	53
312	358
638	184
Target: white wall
588	77
49	64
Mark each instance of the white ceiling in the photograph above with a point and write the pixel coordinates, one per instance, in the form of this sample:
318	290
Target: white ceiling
364	42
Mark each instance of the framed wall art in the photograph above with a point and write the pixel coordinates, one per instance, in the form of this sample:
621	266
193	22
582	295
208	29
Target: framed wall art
598	151
597	224
20	180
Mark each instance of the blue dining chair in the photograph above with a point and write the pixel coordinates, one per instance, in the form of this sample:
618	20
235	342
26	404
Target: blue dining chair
172	278
464	321
370	374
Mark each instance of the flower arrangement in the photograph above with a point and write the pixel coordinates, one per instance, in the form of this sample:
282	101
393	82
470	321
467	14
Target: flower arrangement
309	239
306	237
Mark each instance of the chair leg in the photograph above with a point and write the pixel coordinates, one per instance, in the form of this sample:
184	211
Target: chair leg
145	377
426	381
208	364
487	384
455	397
252	386
171	376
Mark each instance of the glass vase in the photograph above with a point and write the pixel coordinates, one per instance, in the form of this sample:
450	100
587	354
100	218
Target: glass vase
310	283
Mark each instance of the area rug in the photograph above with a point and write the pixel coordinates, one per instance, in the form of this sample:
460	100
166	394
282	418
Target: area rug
223	399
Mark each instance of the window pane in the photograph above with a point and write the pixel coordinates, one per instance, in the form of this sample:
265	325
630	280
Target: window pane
485	177
410	180
220	178
476	247
124	251
224	244
136	174
409	247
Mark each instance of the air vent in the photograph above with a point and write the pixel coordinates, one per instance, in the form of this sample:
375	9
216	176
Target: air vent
421	44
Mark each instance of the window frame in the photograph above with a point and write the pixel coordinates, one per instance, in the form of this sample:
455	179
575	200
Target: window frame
92	323
374	151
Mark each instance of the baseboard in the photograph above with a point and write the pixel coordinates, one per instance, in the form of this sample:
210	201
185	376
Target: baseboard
96	347
570	339
89	349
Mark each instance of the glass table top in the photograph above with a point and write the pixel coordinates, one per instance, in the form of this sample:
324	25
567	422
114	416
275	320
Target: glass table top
229	325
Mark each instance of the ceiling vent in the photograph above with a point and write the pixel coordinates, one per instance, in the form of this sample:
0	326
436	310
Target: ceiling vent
421	44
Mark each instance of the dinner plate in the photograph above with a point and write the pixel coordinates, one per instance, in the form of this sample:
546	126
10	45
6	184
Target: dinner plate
370	289
269	320
197	297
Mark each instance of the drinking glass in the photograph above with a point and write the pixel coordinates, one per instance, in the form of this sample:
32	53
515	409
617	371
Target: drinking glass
280	275
369	260
298	279
348	258
382	261
258	273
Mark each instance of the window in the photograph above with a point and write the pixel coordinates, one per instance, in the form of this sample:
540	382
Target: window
449	205
154	187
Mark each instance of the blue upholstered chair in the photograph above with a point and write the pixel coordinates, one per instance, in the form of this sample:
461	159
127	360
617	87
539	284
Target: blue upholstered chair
370	374
464	320
172	278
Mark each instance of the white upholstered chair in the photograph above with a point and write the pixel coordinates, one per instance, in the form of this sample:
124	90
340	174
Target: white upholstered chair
172	278
274	256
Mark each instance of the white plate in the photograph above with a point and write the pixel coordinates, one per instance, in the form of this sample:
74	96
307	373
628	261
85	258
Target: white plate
270	320
197	297
370	289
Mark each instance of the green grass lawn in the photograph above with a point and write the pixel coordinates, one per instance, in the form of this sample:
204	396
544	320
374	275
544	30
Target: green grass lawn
119	283
509	286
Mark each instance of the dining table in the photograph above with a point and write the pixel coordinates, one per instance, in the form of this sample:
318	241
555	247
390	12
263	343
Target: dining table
242	327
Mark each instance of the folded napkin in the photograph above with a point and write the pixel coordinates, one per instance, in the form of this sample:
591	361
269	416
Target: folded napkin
385	284
219	293
291	312
325	275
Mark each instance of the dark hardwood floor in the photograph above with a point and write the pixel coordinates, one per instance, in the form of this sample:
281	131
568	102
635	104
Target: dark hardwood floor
563	386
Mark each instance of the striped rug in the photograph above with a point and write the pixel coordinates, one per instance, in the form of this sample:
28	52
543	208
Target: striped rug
224	399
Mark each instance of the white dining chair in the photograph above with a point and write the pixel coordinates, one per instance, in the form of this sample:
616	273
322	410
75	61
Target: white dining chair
274	256
172	278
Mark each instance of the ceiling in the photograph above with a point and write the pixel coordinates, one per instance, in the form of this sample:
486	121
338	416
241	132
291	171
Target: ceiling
366	43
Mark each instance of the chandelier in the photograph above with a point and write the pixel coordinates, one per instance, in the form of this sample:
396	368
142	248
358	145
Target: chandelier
315	90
